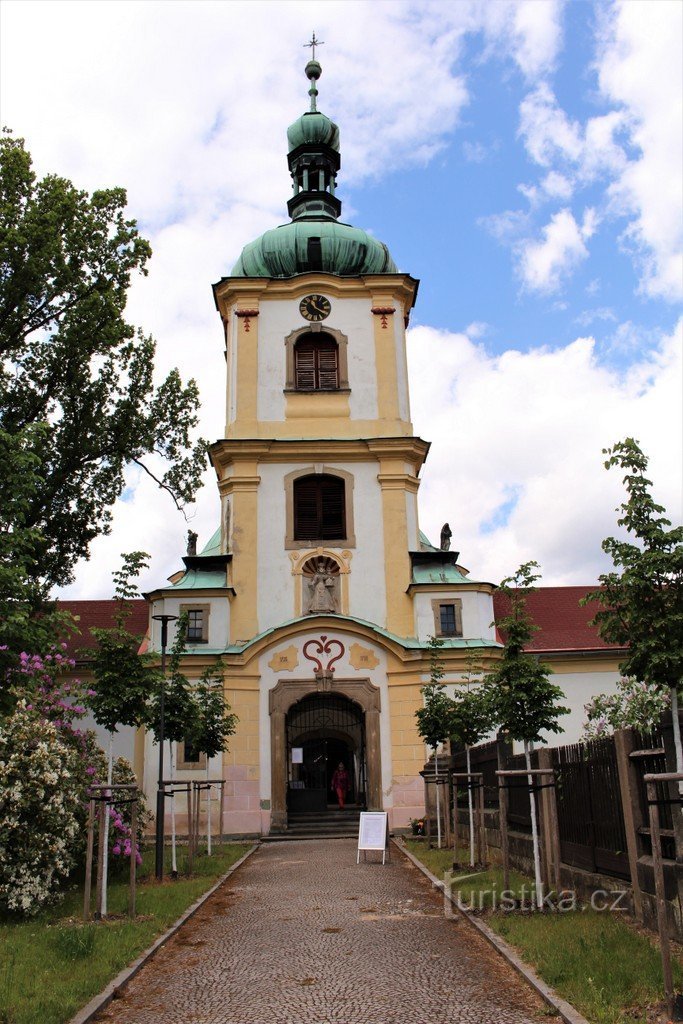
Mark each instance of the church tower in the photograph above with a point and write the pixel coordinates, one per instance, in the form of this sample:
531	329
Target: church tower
318	590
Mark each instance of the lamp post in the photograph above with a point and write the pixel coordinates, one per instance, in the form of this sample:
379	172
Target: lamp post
164	620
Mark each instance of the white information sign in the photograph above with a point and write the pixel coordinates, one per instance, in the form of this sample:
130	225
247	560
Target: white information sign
297	755
373	833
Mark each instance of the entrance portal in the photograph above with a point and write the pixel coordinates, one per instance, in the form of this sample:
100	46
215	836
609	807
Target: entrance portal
359	730
324	730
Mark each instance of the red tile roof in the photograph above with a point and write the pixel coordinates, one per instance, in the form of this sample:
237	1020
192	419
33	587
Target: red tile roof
564	623
100	615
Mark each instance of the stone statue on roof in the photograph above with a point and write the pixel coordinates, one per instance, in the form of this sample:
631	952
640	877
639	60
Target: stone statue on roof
446	535
191	542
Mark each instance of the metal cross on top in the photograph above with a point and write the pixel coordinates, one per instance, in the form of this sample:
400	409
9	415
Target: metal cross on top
313	43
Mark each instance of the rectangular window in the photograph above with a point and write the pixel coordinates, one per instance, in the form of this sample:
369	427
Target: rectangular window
197	622
188	757
447	616
190	753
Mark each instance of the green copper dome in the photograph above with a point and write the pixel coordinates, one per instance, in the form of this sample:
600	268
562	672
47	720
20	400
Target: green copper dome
315	239
313	128
307	245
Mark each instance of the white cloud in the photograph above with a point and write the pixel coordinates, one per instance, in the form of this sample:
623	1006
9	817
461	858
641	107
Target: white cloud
531	32
532	425
640	69
544	264
636	148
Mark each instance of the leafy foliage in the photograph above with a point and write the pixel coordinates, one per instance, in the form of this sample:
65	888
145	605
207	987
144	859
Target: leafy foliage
39	804
434	719
180	712
523	701
642	600
123	678
78	403
634	705
472	716
215	723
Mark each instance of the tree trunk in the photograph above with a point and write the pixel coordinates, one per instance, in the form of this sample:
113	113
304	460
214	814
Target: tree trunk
438	800
174	865
677	734
534	828
470	805
105	838
208	813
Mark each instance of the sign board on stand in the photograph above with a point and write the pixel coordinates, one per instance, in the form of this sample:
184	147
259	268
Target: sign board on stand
373	833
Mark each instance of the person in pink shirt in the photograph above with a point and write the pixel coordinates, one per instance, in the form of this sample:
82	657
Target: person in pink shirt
340	784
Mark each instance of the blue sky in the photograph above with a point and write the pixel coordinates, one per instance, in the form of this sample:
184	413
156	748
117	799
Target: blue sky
522	158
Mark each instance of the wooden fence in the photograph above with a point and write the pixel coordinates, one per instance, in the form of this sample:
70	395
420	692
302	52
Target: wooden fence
600	812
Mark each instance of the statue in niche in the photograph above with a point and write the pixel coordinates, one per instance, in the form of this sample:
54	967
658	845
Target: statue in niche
446	535
321	586
191	542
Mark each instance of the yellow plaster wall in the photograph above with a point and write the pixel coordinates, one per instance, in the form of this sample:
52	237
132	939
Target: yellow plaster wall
243	751
247	370
407	749
394	483
244	491
385	361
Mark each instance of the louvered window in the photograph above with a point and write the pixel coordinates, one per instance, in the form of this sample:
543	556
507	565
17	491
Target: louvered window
316	363
319	508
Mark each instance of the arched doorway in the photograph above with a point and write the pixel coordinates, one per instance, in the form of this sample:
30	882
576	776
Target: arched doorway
289	692
324	729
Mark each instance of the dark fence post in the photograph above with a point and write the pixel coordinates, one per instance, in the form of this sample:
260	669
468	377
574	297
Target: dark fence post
676	810
624	743
549	824
503	751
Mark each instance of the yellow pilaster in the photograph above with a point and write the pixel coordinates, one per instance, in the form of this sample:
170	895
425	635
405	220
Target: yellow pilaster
394	482
246	377
383	307
407	748
242	695
242	485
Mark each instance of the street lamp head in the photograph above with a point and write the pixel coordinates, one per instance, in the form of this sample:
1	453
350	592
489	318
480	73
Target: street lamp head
165	618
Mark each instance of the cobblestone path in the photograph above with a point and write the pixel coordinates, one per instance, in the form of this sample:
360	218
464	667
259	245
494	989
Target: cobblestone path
302	935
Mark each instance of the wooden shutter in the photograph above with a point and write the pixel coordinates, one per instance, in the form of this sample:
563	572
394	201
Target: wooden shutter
328	374
332	508
319	508
304	358
316	363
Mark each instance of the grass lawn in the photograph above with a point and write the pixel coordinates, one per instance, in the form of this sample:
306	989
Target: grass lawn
53	964
599	961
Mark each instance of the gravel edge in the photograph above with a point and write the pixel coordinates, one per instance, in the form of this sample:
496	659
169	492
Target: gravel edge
565	1010
100	1001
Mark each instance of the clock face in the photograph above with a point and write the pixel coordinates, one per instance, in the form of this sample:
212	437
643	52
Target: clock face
315	308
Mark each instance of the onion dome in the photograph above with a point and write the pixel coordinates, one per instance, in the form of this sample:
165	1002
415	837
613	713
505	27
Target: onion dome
315	239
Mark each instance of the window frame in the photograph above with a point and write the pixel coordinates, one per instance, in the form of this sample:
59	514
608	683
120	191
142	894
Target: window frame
349	541
456	604
316	369
206	612
342	360
184	765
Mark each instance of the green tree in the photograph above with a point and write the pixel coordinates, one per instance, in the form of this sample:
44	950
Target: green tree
642	598
21	589
471	720
215	724
181	713
77	395
524	702
435	717
123	678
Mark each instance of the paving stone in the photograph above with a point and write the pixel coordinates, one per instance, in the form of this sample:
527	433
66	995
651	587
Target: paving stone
300	933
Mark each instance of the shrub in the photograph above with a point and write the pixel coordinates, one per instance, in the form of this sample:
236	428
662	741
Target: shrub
39	810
